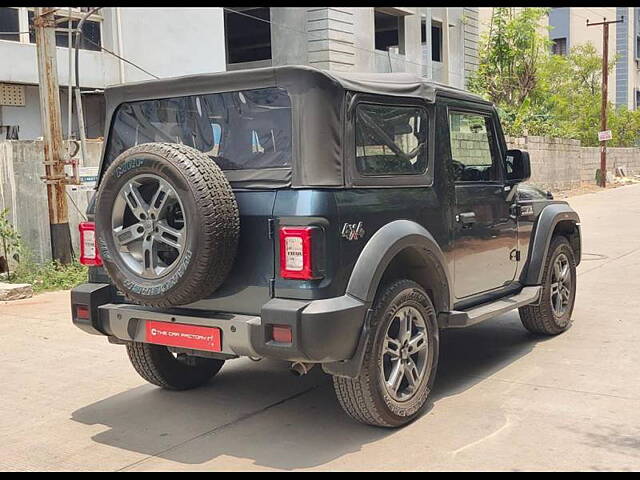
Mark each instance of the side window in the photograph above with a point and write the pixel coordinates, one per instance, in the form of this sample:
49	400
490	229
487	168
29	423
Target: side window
391	140
473	149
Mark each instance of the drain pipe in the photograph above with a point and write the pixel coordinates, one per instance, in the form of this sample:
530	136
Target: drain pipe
69	80
68	155
80	113
120	45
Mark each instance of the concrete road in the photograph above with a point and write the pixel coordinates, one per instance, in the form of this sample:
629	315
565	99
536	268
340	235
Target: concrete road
503	400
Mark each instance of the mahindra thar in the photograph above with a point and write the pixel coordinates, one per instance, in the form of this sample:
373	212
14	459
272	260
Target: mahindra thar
339	219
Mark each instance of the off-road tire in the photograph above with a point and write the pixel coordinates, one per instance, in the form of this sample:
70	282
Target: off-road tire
211	214
157	365
364	398
540	319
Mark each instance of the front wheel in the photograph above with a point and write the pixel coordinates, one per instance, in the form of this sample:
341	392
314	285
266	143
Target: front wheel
553	313
157	365
400	360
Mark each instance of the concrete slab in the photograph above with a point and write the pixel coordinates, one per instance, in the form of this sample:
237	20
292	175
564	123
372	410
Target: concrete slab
503	400
15	291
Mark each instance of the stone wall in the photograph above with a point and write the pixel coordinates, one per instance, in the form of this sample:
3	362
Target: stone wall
562	164
24	193
470	148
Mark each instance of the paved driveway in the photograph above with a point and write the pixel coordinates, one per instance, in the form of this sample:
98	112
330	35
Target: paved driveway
503	399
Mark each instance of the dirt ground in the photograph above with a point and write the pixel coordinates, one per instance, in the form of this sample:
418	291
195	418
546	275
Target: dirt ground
593	188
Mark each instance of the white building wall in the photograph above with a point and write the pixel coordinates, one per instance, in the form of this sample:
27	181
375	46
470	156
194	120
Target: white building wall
456	47
170	41
20	65
27	117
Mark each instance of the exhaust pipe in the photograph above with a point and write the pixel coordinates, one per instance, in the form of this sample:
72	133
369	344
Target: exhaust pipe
301	368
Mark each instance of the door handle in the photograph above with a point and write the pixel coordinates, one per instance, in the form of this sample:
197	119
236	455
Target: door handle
466	218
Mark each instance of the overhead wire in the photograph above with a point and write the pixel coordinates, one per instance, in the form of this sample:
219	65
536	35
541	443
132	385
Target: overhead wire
119	57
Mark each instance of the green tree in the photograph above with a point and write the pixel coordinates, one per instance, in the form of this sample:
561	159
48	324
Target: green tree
625	127
537	93
510	53
571	85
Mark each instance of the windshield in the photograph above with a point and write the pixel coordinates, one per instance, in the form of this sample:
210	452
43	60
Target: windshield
249	129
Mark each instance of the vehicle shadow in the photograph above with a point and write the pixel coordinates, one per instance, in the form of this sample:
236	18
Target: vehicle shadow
259	411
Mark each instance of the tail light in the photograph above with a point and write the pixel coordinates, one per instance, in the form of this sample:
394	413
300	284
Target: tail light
89	254
295	253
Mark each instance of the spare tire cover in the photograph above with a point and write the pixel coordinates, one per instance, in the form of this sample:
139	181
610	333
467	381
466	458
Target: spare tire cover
167	224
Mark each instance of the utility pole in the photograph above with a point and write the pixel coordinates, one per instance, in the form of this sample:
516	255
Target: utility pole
605	88
54	158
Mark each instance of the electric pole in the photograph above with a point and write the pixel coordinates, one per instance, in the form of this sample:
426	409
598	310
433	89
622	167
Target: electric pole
605	88
55	177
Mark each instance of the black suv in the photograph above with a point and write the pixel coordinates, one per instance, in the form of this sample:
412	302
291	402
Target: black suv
318	218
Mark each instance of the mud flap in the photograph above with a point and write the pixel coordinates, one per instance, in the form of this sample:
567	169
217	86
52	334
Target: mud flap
351	368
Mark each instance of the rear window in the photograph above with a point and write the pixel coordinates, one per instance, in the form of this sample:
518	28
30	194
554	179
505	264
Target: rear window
249	129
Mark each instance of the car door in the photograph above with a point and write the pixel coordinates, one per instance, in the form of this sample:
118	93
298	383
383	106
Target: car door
484	232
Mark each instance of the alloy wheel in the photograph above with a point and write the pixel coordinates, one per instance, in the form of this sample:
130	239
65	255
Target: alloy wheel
561	281
404	354
148	226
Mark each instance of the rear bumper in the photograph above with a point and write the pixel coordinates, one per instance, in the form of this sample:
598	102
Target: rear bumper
323	331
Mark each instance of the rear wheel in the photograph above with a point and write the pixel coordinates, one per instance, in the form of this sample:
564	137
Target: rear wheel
552	315
400	360
157	365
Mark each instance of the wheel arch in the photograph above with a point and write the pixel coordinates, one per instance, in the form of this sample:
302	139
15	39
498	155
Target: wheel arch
400	246
555	219
571	230
402	249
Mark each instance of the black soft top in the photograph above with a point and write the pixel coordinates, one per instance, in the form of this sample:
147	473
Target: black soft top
317	99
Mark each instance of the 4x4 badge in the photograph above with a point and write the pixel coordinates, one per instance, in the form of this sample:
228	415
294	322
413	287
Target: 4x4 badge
353	231
526	210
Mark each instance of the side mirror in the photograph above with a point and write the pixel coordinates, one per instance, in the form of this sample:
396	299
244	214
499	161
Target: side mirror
517	166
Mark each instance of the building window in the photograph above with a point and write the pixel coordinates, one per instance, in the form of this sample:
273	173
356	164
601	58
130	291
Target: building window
436	41
559	46
9	23
247	34
389	32
91	38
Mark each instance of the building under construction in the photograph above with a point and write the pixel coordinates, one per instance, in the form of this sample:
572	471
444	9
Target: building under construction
440	43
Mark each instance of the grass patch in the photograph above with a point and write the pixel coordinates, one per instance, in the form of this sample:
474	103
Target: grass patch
49	276
42	276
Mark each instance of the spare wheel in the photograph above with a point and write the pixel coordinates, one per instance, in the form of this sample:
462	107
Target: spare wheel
167	224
